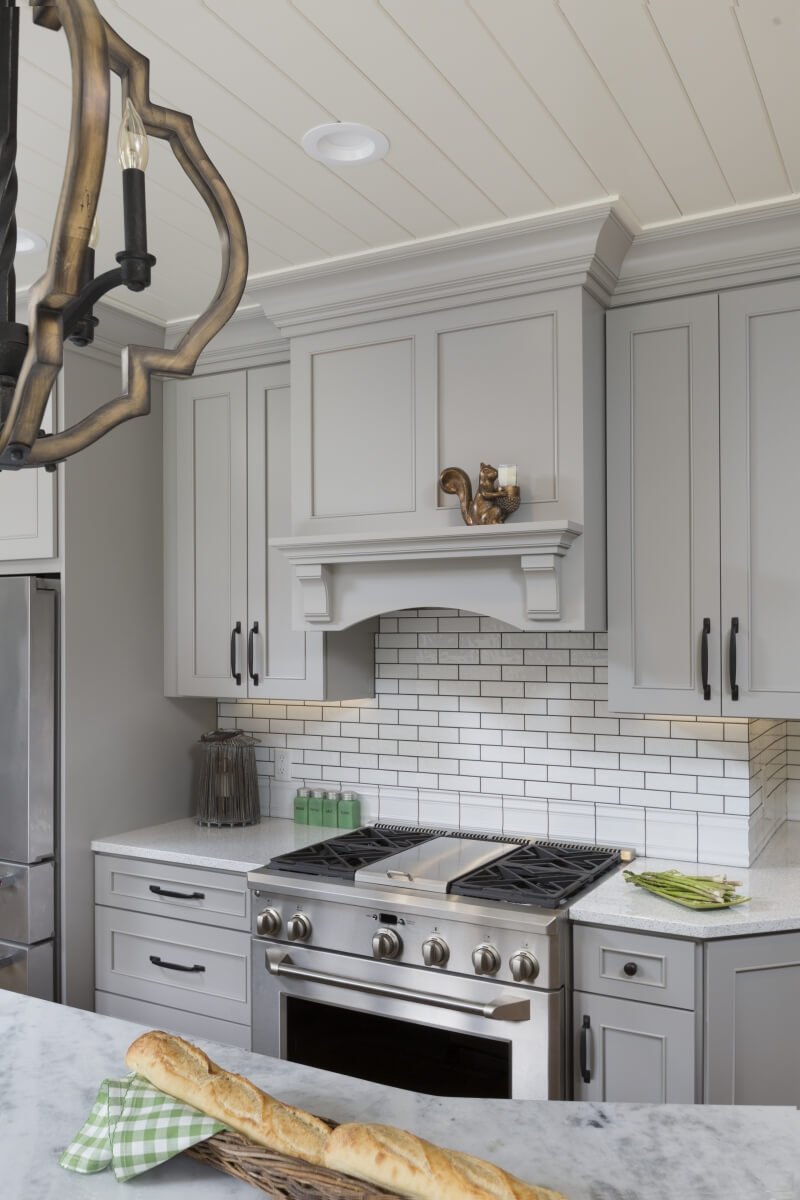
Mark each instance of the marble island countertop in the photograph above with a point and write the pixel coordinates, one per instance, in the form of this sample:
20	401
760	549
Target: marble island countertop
55	1057
773	883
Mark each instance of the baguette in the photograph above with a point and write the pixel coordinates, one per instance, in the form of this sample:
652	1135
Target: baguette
185	1072
403	1163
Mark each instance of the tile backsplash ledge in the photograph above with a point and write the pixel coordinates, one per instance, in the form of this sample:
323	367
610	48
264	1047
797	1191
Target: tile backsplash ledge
475	725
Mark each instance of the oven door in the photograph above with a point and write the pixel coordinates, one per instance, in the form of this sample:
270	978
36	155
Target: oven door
445	1035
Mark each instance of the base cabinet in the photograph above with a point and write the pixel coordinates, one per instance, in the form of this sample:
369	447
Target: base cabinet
752	995
629	1051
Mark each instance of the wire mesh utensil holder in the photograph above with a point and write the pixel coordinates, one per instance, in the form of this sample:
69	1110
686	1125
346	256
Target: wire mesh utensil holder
228	781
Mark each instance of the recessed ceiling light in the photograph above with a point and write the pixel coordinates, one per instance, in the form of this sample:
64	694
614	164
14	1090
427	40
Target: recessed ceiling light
29	243
344	143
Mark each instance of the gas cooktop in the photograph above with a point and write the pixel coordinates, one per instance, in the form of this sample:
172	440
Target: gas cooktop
484	866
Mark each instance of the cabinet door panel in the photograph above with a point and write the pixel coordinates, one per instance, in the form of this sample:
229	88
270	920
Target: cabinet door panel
28	509
663	506
211	540
289	664
752	1048
760	433
637	1053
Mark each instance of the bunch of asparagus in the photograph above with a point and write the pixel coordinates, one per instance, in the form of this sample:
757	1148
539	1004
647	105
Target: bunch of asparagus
693	891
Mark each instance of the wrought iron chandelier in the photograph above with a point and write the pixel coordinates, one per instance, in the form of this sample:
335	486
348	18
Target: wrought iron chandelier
61	302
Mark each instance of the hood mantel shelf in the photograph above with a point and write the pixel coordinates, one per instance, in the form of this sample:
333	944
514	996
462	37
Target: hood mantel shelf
345	578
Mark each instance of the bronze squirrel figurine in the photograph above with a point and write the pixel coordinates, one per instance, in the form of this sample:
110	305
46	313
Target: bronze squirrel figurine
482	509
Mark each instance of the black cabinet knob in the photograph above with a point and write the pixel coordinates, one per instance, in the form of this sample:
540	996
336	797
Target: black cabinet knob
630	969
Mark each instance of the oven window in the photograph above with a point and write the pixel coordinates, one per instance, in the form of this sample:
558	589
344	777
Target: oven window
402	1054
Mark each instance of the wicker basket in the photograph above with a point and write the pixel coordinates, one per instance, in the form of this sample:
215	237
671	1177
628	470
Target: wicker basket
278	1175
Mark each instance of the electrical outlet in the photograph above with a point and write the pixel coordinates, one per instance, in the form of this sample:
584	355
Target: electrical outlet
283	764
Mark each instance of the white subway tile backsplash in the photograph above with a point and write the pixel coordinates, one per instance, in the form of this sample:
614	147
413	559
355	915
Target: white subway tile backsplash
477	724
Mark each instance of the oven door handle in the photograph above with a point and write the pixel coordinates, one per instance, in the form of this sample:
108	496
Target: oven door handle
504	1008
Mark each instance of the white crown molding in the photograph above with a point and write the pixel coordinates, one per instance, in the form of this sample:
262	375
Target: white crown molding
247	340
582	247
723	250
344	578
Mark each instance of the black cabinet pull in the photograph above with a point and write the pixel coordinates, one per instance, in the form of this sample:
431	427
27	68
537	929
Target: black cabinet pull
732	658
630	969
250	637
704	657
159	891
586	1071
237	675
159	962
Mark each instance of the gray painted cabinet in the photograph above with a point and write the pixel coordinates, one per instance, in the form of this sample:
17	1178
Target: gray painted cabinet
228	594
702	428
28	511
634	1052
752	998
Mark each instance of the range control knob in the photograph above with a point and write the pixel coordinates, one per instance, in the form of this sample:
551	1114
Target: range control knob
386	944
298	928
435	952
485	960
268	922
524	967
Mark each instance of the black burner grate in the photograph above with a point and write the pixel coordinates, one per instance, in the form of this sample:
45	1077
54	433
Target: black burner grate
341	857
545	874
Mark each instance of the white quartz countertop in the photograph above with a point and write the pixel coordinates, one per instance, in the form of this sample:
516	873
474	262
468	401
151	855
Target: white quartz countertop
773	885
243	849
54	1059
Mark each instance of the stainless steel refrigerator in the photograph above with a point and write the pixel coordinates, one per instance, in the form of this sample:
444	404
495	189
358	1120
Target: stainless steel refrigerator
28	730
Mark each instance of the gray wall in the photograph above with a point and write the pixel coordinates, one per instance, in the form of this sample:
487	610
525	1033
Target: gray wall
128	753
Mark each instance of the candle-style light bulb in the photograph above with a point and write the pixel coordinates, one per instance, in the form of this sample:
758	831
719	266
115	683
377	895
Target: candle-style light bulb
132	147
94	233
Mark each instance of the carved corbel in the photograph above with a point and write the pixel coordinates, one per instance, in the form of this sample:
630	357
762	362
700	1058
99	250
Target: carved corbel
315	586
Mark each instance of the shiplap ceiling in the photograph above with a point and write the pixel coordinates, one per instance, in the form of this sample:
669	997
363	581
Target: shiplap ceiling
494	109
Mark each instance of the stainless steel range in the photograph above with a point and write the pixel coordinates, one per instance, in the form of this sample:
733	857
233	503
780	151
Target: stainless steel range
421	958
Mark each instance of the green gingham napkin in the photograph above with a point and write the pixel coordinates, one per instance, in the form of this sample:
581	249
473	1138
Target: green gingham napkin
133	1126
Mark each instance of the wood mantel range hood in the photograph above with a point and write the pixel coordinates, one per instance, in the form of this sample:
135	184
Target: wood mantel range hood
483	347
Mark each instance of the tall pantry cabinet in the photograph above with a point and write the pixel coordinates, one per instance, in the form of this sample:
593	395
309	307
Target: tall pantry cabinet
703	488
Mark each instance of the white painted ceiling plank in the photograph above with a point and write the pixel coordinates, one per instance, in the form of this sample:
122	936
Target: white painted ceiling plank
474	63
705	44
640	75
373	42
313	196
298	48
772	36
543	47
230	58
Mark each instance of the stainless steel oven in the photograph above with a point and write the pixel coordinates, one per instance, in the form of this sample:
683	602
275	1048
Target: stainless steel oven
407	1026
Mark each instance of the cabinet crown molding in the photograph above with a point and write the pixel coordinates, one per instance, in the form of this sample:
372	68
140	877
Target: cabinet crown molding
343	579
583	247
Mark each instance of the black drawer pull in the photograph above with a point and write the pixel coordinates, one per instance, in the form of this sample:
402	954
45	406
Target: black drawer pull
237	675
630	969
586	1070
704	657
732	658
159	962
159	891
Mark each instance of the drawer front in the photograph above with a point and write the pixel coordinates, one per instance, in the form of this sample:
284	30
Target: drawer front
28	970
176	963
193	1026
197	894
27	901
634	966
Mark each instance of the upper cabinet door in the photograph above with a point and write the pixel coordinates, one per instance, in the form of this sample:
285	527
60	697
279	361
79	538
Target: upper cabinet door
211	535
281	661
760	436
28	510
663	507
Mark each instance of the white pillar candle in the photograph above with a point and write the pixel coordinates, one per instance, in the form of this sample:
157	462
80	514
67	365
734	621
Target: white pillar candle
506	475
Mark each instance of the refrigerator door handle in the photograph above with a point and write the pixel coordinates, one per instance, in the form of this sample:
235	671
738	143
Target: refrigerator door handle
8	960
9	879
